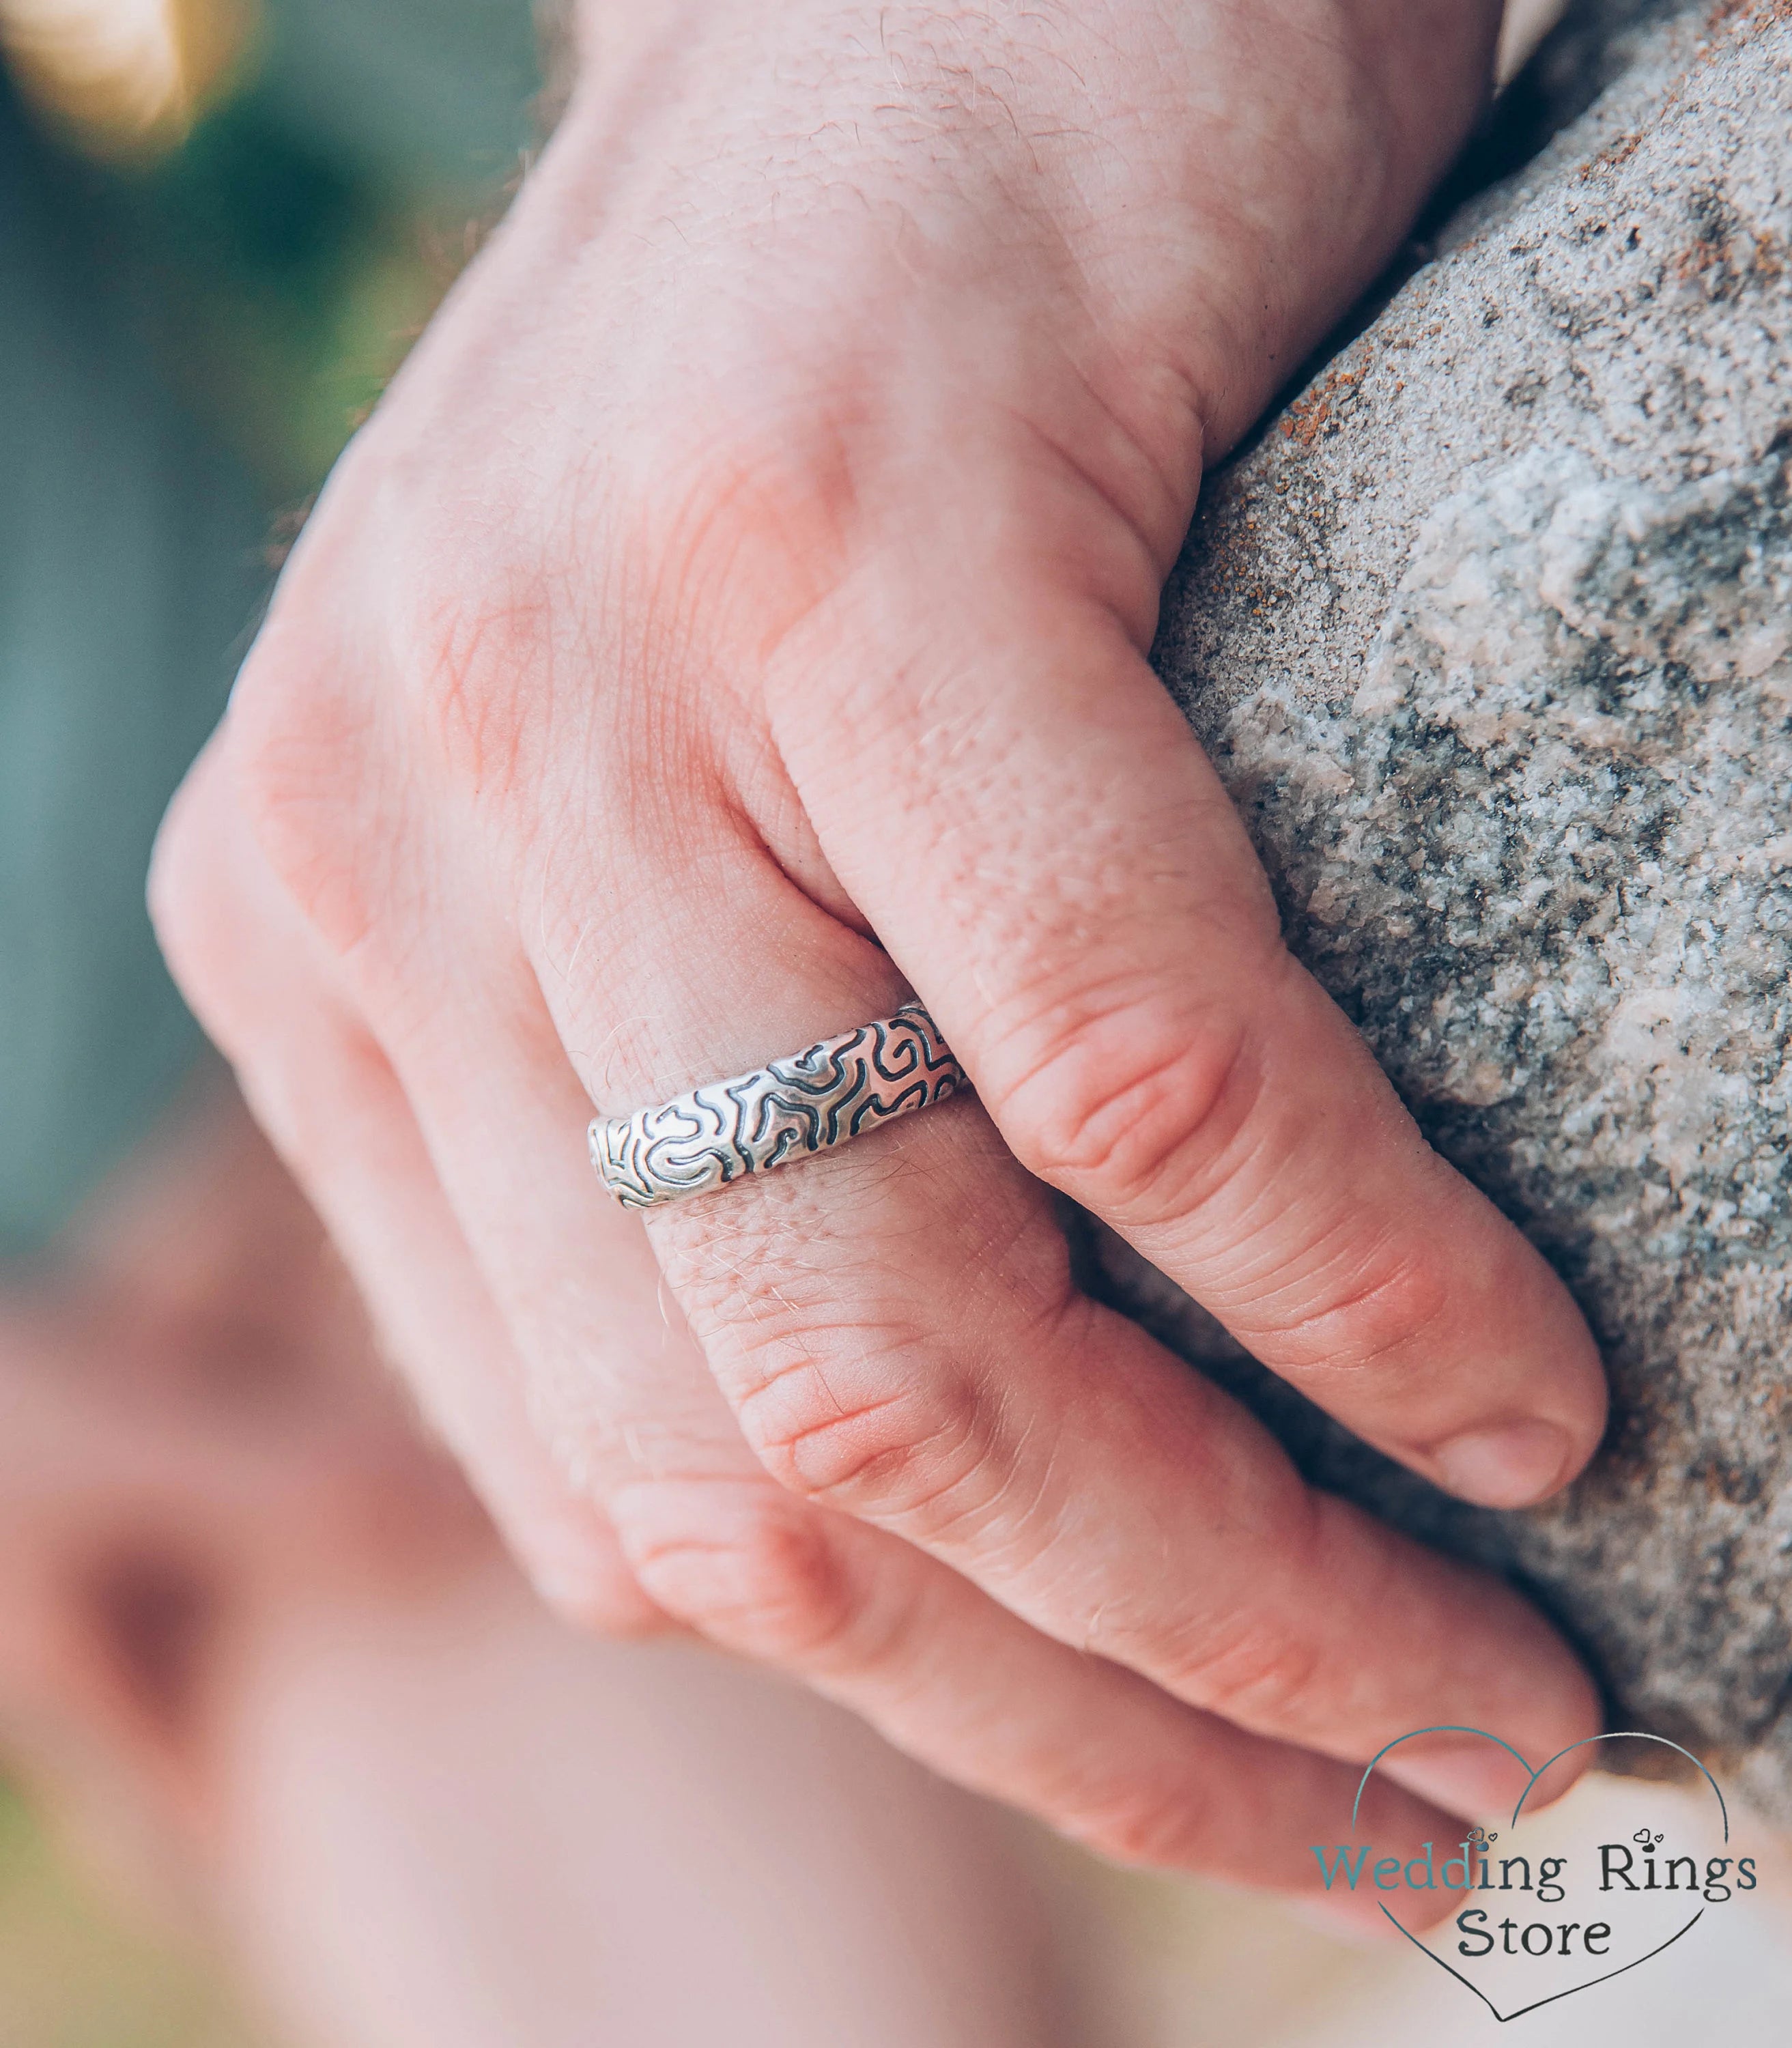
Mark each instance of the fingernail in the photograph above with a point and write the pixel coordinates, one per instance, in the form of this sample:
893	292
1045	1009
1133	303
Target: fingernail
1509	1467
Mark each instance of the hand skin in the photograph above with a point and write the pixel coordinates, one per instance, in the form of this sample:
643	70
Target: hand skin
760	553
252	1627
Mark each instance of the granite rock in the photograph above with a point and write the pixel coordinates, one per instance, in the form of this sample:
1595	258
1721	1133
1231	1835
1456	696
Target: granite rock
1489	632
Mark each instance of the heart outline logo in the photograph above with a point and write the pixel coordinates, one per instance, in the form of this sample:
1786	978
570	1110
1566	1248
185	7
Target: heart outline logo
1532	1777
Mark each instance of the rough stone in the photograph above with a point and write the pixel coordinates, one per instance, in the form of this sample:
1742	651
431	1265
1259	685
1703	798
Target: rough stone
1489	634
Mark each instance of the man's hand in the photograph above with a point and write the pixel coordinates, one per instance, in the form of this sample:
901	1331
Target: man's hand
735	617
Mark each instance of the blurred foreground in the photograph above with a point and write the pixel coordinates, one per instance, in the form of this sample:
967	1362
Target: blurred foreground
1167	1965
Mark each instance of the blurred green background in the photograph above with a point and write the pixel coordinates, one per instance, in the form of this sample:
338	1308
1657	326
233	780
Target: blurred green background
221	221
78	1971
227	223
295	203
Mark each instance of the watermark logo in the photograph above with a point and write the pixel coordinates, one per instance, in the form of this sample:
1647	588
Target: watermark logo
1539	1913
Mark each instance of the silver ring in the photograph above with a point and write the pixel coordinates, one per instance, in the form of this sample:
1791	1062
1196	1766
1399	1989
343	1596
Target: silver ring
810	1102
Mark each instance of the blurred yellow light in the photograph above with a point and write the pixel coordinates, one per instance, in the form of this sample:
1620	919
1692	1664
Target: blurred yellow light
125	74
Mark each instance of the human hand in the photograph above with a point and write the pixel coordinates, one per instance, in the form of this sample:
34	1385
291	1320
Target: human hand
760	554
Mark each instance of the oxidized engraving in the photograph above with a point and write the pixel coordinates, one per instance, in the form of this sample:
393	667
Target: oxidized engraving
812	1100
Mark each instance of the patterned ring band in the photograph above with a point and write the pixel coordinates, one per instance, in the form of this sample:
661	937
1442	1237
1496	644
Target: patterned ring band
814	1100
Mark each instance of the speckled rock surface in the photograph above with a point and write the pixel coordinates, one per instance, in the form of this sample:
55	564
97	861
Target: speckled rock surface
1491	636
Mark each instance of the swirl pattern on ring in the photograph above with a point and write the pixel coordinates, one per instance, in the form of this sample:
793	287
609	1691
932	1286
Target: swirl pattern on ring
814	1100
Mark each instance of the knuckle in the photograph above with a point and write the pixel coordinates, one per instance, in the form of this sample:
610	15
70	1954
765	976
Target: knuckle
1253	1658
474	683
848	1396
744	1564
294	744
186	880
331	749
1359	1309
1143	1829
756	528
596	1592
1255	1673
1129	1101
841	1437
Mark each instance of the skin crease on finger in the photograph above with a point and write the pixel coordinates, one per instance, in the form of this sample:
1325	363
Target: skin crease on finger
1355	1259
758	552
586	1323
1107	1758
